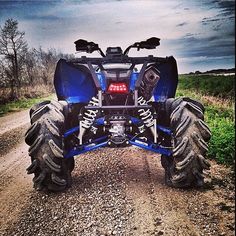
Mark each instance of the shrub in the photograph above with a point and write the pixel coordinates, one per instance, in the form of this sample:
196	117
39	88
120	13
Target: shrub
222	143
221	86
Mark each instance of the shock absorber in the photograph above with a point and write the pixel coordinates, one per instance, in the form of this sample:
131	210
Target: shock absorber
88	118
147	117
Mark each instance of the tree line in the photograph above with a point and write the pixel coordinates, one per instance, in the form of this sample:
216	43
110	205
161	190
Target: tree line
23	67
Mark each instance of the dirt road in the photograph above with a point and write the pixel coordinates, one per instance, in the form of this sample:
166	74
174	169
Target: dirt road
114	192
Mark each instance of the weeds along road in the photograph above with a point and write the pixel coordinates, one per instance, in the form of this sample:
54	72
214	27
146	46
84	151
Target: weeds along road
114	192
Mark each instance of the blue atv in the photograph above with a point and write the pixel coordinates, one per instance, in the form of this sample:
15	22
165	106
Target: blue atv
117	101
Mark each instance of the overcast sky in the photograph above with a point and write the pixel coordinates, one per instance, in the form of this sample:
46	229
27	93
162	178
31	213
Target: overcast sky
199	34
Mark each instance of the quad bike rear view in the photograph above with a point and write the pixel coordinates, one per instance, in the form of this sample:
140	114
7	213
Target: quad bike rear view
117	101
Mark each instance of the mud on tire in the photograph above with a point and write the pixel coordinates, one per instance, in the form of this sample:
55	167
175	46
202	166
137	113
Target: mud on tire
51	171
185	168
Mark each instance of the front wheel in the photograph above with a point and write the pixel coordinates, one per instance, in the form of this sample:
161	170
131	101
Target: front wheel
190	136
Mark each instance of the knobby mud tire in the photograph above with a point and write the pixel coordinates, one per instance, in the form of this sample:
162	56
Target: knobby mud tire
36	106
51	171
186	167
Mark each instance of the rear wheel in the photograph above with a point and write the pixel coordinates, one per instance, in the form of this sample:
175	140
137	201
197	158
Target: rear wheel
51	171
186	166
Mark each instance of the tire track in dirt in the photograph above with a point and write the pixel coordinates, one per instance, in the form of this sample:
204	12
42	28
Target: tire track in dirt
152	204
138	190
191	211
15	185
170	216
12	129
13	121
161	210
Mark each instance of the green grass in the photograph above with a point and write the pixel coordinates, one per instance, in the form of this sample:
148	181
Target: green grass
222	143
21	104
217	95
220	86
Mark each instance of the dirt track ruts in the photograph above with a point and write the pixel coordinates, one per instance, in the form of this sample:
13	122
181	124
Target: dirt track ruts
114	192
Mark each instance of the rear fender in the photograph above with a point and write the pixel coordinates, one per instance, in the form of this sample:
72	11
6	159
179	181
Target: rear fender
73	83
166	86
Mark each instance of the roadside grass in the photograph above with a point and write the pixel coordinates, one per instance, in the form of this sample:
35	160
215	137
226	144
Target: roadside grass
21	104
219	113
213	85
26	92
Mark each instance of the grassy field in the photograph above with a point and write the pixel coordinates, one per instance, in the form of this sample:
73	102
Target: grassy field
21	104
213	85
217	95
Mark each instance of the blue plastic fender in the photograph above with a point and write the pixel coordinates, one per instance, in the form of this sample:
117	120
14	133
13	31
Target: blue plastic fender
166	86
73	83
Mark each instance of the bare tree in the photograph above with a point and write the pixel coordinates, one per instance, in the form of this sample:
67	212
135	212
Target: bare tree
48	60
12	46
29	67
22	68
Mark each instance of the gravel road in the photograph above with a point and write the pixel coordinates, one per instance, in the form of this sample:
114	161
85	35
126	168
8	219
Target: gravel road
114	192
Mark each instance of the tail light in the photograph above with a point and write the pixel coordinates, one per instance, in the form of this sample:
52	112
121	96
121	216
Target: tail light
120	88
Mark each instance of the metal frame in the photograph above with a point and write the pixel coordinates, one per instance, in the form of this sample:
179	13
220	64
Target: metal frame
136	142
103	141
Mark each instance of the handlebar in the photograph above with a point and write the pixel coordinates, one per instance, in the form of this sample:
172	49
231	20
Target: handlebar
120	59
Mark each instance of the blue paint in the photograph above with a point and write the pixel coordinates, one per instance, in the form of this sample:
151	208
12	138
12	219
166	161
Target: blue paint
102	80
166	86
164	129
151	147
71	131
100	121
73	83
97	143
84	149
133	78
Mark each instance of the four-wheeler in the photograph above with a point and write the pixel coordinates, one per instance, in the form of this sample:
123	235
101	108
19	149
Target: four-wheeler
117	101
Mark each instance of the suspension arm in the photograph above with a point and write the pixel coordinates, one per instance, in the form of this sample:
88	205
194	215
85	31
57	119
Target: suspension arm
100	142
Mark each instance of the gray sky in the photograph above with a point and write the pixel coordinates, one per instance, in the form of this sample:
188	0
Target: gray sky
199	34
